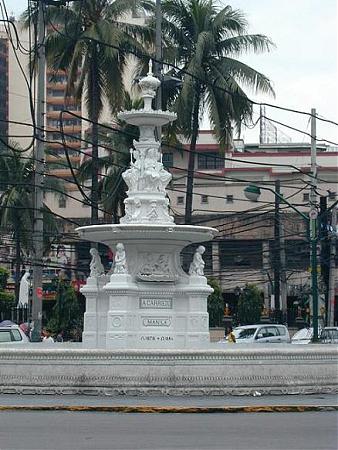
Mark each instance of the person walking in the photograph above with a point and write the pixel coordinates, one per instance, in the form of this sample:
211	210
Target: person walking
47	336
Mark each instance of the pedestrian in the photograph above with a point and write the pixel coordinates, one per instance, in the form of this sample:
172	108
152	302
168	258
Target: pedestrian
47	336
59	337
230	336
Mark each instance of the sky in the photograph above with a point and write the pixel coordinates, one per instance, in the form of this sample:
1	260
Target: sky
302	66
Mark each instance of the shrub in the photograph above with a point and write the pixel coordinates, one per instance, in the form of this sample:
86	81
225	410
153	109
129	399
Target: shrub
215	304
4	274
250	305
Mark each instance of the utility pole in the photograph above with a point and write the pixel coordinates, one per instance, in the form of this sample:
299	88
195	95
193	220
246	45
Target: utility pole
261	139
283	280
313	227
38	177
277	247
158	57
332	280
323	233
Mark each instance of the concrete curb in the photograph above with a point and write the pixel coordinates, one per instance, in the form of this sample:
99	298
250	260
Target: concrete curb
175	409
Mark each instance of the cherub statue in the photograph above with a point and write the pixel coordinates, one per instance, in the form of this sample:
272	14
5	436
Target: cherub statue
120	261
96	267
197	265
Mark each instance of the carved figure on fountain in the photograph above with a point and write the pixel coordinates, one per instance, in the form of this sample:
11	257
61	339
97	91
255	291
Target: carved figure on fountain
156	267
155	176
96	266
197	265
120	260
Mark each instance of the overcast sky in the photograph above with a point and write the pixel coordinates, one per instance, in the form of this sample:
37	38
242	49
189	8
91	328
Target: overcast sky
302	67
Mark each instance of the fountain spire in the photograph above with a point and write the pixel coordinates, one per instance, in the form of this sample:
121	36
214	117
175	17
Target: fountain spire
146	177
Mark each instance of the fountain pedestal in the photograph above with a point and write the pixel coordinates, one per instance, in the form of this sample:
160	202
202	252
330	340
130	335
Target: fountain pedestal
156	304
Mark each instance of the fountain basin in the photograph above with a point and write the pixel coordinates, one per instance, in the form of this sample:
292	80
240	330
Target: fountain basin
147	117
239	370
181	235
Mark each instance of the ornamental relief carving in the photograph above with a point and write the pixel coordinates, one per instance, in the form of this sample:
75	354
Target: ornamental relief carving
155	267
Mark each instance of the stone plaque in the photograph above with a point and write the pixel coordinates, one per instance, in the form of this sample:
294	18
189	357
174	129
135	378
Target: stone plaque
156	338
156	321
156	303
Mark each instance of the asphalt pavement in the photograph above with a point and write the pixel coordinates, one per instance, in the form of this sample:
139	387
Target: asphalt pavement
65	430
319	402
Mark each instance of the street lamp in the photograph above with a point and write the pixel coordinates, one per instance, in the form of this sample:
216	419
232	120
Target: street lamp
252	193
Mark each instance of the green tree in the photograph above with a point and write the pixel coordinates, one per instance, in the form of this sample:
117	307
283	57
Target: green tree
16	204
250	305
111	186
6	299
206	41
66	314
215	304
90	42
4	274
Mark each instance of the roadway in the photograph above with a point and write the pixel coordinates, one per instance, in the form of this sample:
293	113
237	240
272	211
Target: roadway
63	430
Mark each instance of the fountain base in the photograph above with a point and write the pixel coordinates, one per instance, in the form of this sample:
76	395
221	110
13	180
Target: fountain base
239	370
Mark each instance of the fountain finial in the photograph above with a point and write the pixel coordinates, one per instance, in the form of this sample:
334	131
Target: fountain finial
149	85
150	71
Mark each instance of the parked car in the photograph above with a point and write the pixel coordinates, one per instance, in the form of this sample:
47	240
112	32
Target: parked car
327	335
261	334
12	334
302	336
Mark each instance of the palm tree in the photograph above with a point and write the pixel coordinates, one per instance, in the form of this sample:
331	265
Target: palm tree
17	206
89	41
111	186
205	42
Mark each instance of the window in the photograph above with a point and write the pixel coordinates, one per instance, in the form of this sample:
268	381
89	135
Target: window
241	253
297	254
180	200
62	202
55	92
168	160
204	199
5	336
210	160
306	197
57	79
244	333
267	332
54	136
230	198
332	195
16	335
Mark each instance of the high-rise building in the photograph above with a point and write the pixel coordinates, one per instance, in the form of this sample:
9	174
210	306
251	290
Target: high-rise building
63	130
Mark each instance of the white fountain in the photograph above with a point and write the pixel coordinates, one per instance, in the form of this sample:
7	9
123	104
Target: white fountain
146	324
148	301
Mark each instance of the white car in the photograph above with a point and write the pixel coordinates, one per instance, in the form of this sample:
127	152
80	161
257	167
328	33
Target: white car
261	334
12	334
302	336
327	335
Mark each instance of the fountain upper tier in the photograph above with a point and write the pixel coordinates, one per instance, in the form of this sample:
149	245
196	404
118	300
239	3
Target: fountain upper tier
147	117
180	235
